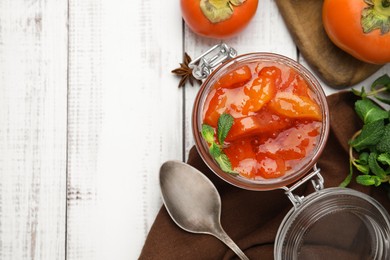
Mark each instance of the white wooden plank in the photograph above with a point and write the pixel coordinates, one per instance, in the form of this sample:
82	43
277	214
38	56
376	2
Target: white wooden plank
265	33
33	88
125	120
84	126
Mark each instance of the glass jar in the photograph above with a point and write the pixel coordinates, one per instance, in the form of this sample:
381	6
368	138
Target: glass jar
334	223
338	223
210	80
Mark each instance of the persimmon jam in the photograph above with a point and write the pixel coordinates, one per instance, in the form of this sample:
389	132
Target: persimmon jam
277	119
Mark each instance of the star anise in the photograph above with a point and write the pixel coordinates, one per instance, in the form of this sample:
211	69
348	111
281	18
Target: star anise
185	72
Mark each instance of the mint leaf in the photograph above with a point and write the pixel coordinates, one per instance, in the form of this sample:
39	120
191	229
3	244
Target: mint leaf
384	144
225	164
222	159
215	150
365	169
225	122
381	81
361	164
368	180
363	158
371	134
384	158
348	179
208	133
369	112
380	86
375	167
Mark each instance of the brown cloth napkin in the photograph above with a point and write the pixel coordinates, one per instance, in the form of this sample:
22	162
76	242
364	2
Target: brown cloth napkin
252	218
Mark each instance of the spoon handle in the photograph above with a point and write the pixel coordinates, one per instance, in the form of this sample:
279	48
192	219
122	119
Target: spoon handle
221	235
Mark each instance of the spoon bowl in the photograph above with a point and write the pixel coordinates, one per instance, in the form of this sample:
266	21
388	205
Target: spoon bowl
193	202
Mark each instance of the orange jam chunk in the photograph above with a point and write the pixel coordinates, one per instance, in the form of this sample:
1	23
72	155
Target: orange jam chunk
294	106
262	90
244	100
263	122
236	78
242	156
270	166
277	119
294	142
295	84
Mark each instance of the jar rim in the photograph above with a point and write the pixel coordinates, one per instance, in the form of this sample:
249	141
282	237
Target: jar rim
268	184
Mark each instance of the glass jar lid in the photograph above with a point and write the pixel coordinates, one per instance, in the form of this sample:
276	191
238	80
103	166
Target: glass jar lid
334	223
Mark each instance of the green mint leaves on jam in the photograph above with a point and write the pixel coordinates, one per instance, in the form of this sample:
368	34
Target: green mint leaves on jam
208	133
370	147
225	122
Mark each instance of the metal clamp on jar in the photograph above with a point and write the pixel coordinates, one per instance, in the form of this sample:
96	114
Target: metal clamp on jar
328	220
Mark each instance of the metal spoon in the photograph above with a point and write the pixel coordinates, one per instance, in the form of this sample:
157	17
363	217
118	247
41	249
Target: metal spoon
193	202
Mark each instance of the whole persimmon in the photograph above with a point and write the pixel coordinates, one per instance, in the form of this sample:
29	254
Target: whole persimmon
218	18
360	28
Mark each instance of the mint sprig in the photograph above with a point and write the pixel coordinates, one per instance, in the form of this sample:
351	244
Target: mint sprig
381	85
380	90
225	122
371	144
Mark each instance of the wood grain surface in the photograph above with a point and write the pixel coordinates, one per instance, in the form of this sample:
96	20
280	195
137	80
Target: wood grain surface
33	90
336	68
125	119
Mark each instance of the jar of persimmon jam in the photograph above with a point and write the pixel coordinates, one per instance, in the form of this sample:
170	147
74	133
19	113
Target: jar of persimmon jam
260	122
279	120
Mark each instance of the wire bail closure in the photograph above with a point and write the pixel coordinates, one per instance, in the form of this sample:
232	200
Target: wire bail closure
317	181
208	61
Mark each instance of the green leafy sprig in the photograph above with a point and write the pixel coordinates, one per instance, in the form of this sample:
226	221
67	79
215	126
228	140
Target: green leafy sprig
380	90
225	122
369	149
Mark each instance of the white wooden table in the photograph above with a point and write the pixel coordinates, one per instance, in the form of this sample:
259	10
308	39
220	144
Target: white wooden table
88	112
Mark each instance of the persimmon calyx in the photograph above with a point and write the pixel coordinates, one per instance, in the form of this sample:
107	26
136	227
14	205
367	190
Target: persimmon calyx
376	16
219	10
